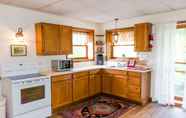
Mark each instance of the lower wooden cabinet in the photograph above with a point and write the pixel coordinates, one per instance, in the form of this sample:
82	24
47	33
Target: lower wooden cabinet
107	84
61	90
80	85
69	88
139	87
119	86
94	82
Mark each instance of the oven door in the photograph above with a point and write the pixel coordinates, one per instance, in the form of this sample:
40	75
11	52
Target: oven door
31	95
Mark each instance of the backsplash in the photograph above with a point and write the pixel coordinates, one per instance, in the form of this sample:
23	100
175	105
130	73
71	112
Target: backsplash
26	66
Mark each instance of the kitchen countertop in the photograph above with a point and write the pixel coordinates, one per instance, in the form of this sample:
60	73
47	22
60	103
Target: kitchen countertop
93	67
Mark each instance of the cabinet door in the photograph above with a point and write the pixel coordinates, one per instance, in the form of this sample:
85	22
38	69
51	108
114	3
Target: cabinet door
119	86
94	84
80	88
106	84
142	37
65	40
98	83
61	92
50	36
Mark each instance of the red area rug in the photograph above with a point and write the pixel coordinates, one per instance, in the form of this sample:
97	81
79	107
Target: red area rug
99	107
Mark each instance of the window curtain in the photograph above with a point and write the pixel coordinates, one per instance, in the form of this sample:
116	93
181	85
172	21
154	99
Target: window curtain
163	69
181	35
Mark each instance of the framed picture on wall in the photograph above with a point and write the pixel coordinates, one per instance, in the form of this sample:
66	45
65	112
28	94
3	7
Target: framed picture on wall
131	63
18	50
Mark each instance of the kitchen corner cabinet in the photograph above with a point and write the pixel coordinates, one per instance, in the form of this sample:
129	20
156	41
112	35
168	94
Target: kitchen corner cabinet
106	83
53	39
142	34
61	90
80	85
94	82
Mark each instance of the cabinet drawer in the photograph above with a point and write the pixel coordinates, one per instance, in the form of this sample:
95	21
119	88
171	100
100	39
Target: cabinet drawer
113	71
134	81
80	74
61	77
134	74
134	89
134	96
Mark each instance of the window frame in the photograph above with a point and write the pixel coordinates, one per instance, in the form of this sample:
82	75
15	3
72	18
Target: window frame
86	46
109	43
90	33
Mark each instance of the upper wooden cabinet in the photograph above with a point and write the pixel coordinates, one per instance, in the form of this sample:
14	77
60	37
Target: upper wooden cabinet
52	39
142	34
47	38
65	40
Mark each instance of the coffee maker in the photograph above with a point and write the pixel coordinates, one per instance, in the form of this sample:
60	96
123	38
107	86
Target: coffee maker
100	50
99	59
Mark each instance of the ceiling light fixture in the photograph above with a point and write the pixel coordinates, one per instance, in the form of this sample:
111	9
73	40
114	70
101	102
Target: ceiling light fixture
115	32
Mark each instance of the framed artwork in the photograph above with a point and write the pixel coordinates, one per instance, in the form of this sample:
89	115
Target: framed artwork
18	50
131	63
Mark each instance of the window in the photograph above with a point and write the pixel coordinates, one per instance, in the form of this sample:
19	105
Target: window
180	62
124	46
82	45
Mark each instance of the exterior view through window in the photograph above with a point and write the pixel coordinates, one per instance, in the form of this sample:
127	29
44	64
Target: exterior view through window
82	46
180	62
124	46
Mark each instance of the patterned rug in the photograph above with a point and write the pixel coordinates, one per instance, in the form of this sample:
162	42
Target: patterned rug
99	107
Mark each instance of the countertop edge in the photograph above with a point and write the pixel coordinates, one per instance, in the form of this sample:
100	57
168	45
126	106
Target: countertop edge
50	73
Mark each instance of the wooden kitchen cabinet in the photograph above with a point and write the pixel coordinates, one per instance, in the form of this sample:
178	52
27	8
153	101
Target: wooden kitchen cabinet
139	87
53	39
47	38
119	86
94	82
142	34
65	40
61	90
107	84
80	85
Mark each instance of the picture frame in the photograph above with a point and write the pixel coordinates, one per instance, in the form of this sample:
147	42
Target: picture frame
131	63
18	50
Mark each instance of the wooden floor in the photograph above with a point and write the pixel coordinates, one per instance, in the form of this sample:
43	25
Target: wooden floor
156	111
153	110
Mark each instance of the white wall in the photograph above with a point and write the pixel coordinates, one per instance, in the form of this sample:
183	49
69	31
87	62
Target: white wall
11	19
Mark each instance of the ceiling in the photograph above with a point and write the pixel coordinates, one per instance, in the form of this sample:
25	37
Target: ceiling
100	10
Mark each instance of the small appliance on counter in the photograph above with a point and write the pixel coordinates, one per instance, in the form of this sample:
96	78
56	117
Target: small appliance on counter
100	52
62	65
99	59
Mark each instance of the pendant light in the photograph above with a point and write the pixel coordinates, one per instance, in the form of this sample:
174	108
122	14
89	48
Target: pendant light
115	32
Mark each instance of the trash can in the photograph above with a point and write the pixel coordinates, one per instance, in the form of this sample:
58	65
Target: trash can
2	107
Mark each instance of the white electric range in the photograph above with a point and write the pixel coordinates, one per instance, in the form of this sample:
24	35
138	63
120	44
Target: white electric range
28	96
